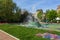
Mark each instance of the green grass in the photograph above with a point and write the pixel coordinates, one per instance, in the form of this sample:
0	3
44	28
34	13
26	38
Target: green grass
24	33
54	27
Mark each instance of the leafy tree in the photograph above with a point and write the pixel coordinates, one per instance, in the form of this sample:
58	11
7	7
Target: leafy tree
39	13
58	14
24	15
17	14
51	14
6	9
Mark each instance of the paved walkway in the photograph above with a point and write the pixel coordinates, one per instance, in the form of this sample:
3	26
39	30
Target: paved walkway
6	36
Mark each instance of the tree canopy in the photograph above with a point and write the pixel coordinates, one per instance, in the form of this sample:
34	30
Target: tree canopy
39	13
51	15
9	12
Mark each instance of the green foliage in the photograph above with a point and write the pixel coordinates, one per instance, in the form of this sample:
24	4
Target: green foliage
51	14
58	14
39	13
7	8
9	12
24	15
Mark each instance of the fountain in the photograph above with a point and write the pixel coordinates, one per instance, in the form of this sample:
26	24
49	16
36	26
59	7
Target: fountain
31	21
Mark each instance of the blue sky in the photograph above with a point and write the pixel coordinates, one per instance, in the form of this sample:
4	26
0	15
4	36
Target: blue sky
33	5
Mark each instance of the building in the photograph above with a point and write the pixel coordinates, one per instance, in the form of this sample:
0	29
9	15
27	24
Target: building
58	8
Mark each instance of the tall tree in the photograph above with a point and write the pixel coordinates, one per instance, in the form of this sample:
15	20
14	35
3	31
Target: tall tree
58	14
18	14
6	9
24	15
51	14
39	13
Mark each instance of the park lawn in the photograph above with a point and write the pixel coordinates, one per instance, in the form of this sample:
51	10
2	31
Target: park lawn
55	27
24	33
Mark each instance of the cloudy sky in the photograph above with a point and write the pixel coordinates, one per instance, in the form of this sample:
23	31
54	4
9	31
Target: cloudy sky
33	5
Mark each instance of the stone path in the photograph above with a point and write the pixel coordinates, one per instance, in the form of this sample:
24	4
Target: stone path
6	36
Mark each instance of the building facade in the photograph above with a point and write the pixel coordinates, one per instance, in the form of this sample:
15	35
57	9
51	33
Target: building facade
58	9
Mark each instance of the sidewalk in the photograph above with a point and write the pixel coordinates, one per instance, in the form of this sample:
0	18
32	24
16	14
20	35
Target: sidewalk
6	36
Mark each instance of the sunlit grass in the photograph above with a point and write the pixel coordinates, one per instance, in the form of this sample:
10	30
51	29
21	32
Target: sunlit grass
24	33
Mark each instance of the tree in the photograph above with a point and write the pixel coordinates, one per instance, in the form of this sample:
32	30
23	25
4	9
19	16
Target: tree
24	15
17	14
39	13
6	10
51	15
58	14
